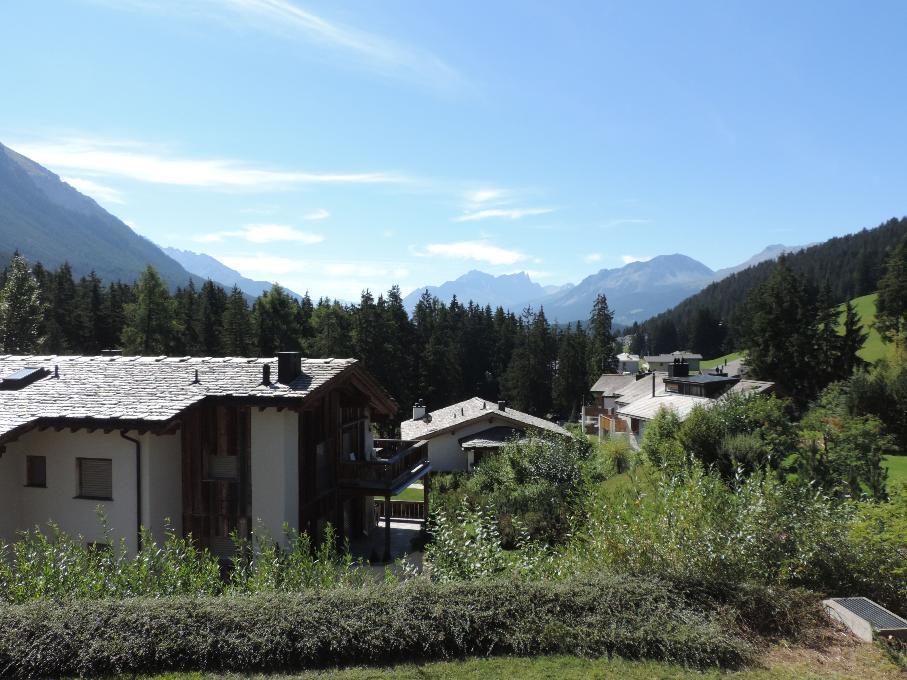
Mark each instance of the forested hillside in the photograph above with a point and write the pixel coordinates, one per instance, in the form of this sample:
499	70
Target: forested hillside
850	266
48	221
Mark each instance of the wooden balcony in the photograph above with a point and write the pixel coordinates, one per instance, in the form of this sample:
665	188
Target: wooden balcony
396	464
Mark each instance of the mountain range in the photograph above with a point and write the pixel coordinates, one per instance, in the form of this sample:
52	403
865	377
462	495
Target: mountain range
635	291
48	221
208	267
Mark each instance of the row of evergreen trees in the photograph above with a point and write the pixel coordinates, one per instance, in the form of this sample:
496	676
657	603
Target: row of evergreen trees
442	353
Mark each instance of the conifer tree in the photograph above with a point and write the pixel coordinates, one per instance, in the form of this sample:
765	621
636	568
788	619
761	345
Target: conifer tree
852	341
151	319
602	357
891	307
236	334
21	309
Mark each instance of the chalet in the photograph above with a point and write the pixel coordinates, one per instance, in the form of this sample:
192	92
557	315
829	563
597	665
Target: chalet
661	362
206	445
458	436
604	395
627	363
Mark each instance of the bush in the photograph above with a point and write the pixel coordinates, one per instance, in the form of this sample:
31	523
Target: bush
632	618
53	565
696	528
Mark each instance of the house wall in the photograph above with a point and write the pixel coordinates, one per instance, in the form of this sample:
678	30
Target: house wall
275	470
628	366
24	507
162	498
444	450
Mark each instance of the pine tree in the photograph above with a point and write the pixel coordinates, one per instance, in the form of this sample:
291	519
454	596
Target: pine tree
150	320
780	331
212	302
571	380
602	355
21	309
276	318
852	341
236	333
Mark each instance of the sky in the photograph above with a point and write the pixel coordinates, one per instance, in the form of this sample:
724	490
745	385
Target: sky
336	146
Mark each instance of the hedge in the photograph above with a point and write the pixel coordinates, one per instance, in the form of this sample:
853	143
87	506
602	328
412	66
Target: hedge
416	620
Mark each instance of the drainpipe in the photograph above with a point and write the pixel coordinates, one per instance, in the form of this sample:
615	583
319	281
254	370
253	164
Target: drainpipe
138	489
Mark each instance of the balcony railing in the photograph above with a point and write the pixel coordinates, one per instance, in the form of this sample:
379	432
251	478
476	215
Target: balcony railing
396	465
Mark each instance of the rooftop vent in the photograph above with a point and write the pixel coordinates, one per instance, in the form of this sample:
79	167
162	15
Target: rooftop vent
24	376
419	410
502	406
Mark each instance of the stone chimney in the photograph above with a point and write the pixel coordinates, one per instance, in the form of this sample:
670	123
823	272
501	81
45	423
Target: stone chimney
419	410
502	406
289	366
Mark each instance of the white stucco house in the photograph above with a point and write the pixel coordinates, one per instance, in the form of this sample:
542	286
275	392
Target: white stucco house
459	435
206	445
627	363
661	362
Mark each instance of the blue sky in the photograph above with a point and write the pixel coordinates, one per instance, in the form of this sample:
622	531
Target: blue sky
335	146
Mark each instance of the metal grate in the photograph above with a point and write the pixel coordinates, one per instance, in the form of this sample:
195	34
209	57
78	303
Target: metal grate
879	617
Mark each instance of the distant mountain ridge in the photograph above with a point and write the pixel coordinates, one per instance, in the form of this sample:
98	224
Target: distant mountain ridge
48	221
209	267
505	290
635	292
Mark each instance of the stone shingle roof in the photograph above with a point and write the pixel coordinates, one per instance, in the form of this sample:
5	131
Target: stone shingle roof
647	407
611	384
148	389
471	410
491	438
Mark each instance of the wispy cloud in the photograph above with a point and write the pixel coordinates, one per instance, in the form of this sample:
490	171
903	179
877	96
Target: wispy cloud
96	190
138	161
627	259
263	233
289	20
320	214
592	257
480	251
501	213
482	196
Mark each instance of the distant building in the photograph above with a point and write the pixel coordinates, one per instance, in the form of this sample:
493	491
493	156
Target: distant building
459	435
660	362
604	394
627	363
642	401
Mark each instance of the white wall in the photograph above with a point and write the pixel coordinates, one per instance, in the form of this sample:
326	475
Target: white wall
275	470
444	450
162	485
76	516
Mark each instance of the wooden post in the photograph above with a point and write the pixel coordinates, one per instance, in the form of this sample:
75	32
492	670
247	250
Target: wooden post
387	529
426	492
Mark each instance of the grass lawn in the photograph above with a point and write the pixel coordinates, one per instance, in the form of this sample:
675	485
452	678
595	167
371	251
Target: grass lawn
847	660
410	494
897	470
720	361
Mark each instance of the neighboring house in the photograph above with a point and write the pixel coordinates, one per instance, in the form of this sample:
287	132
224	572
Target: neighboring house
205	445
604	394
681	394
627	363
660	362
459	435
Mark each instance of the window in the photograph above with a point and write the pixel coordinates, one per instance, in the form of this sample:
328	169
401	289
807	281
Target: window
35	471
95	478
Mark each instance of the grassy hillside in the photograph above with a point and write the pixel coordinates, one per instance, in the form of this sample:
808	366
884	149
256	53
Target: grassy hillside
874	349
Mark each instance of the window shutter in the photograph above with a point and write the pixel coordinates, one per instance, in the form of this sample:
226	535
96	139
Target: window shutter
96	477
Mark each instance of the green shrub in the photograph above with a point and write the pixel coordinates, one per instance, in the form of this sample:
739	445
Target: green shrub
50	564
633	618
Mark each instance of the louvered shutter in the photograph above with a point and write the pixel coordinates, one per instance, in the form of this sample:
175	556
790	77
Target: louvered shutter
96	478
